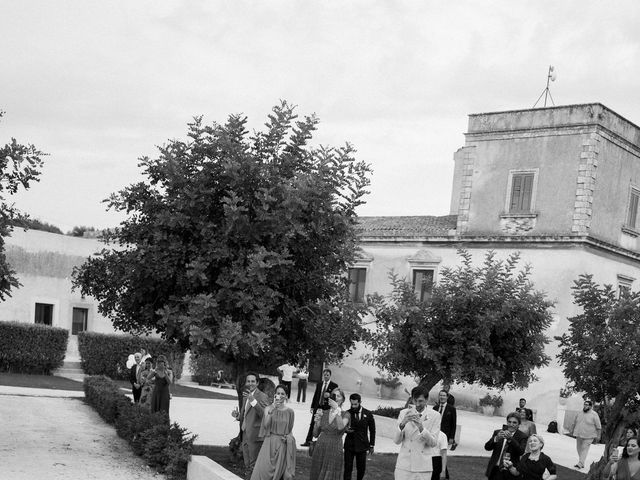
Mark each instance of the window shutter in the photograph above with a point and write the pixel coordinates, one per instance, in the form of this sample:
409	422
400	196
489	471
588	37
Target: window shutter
633	210
516	190
527	190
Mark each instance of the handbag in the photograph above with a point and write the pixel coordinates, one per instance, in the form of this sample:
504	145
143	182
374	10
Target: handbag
312	447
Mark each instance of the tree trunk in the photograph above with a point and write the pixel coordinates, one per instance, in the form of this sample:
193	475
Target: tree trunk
430	380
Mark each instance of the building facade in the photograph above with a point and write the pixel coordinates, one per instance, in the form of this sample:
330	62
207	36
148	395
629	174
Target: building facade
559	185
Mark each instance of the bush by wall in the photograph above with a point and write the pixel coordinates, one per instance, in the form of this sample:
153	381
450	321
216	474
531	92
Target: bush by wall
390	412
204	368
106	354
31	348
164	446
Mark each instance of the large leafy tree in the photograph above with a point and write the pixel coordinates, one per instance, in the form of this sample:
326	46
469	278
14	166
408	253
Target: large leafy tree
481	324
600	352
19	166
237	244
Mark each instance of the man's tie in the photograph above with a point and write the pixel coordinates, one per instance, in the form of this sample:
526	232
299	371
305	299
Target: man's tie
324	389
441	408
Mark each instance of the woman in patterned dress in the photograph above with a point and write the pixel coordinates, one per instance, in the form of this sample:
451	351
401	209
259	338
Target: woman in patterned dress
277	457
327	462
145	379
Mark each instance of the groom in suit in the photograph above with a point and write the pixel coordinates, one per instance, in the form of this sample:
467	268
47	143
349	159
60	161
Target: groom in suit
250	417
320	400
136	388
360	438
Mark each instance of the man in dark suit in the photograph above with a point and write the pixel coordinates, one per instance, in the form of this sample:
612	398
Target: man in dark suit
136	388
448	420
320	400
360	438
508	442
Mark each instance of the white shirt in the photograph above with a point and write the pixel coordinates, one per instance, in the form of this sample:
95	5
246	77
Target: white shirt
287	372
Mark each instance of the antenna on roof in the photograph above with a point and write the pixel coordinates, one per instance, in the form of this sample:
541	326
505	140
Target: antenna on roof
551	76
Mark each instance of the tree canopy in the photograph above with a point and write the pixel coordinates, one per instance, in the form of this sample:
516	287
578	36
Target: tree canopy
600	352
19	166
237	243
481	324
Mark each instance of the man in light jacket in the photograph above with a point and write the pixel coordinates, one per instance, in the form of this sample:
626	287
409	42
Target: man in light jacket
417	435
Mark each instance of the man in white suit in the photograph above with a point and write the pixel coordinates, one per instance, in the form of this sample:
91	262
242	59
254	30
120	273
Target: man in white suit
417	433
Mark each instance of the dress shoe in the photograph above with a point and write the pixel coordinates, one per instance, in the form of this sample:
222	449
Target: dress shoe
305	444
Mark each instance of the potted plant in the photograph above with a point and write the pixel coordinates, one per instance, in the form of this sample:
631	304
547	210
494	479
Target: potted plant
489	403
387	384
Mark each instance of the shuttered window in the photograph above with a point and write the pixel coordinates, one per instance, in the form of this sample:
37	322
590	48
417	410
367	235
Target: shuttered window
357	279
422	283
632	214
521	193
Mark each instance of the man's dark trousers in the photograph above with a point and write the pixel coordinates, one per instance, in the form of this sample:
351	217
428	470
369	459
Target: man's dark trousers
133	378
358	441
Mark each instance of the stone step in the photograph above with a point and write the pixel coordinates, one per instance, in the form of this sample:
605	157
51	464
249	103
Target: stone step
72	364
69	370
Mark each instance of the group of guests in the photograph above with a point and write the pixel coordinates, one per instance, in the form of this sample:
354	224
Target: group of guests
269	448
150	385
516	455
624	459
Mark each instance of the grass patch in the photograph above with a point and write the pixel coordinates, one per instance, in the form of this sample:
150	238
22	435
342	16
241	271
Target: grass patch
51	382
48	382
379	466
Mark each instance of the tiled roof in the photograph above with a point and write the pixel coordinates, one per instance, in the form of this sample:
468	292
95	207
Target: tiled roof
418	226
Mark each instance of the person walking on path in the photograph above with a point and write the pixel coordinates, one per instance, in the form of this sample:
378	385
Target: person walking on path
418	427
303	377
320	401
287	370
277	457
250	418
360	439
586	428
134	373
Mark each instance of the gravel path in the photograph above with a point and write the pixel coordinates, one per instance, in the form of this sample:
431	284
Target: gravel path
62	438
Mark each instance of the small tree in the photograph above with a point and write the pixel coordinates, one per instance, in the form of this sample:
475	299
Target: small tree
600	352
19	166
237	244
482	324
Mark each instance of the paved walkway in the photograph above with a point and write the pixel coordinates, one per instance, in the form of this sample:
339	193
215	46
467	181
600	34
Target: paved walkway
57	437
210	419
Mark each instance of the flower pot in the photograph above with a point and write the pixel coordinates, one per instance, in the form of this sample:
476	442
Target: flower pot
488	410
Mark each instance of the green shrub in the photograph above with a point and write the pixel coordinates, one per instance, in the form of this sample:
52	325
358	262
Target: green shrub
390	412
165	447
204	368
31	348
106	354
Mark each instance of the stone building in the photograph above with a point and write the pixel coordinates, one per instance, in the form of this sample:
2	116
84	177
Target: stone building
559	185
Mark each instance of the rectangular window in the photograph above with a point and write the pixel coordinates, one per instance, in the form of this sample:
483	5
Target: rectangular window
624	285
357	278
521	192
44	313
422	283
79	320
632	213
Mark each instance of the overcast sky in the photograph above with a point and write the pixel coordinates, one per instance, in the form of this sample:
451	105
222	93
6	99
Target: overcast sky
99	84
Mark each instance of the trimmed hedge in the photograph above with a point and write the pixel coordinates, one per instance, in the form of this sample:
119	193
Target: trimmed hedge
31	348
390	412
164	446
106	354
204	368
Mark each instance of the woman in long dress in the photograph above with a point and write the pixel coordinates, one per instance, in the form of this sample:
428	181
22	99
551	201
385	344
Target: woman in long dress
163	378
327	462
146	383
277	457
